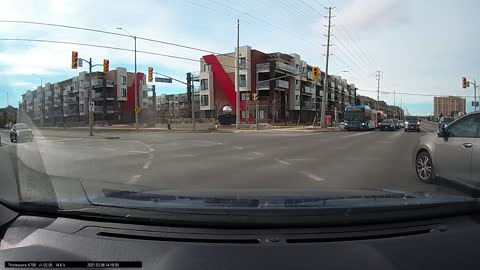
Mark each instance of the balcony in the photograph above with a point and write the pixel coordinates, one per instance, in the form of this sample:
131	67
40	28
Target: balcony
70	100
99	96
277	84
308	105
265	67
309	90
99	109
286	67
96	83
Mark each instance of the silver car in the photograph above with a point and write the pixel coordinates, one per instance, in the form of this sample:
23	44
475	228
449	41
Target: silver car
453	153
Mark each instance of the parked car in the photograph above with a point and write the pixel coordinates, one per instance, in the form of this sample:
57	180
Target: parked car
445	121
453	153
20	132
387	124
412	123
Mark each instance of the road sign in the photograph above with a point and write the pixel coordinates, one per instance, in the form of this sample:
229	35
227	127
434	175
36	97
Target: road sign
163	80
473	104
91	106
80	62
137	109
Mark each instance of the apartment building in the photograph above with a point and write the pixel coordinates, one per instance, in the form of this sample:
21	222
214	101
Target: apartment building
66	102
295	96
451	106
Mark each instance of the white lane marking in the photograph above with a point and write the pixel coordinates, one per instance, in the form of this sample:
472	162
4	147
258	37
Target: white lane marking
147	164
151	149
257	153
138	152
282	162
301	159
108	149
134	179
312	176
358	134
62	140
238	147
186	155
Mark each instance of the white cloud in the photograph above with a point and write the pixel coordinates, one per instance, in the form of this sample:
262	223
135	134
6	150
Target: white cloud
374	14
22	84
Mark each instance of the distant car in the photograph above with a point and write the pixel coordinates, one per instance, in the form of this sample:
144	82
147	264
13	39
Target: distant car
397	123
445	121
387	124
412	123
20	132
401	123
452	154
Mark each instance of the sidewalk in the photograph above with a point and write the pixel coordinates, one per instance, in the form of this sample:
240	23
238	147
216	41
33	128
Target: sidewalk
218	129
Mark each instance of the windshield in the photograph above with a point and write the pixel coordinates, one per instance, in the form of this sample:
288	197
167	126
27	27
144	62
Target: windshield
355	116
153	105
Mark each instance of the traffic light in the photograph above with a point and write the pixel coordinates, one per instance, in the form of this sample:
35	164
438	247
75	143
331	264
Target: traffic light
315	73
106	65
464	82
150	74
74	60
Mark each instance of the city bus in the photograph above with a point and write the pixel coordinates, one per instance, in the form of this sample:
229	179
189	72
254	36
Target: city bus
360	117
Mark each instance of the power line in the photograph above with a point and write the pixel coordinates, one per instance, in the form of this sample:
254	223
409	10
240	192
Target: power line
104	47
411	94
111	33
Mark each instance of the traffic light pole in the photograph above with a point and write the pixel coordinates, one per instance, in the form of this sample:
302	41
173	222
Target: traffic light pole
474	91
91	115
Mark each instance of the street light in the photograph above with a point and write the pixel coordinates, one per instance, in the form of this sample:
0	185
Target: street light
7	96
136	83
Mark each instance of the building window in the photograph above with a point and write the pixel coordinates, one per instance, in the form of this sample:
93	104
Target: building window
242	62
145	94
123	80
297	97
204	84
81	95
244	114
243	80
296	82
124	92
81	109
204	100
206	67
81	83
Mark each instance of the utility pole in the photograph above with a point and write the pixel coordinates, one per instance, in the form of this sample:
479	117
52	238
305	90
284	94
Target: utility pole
300	98
325	83
237	84
90	114
378	88
257	106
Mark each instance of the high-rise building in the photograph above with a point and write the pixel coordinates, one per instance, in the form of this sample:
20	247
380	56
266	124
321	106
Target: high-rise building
451	106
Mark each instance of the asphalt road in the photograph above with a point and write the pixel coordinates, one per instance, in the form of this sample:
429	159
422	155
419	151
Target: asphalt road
338	160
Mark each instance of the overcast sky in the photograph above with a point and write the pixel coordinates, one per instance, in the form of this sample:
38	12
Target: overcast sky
421	47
